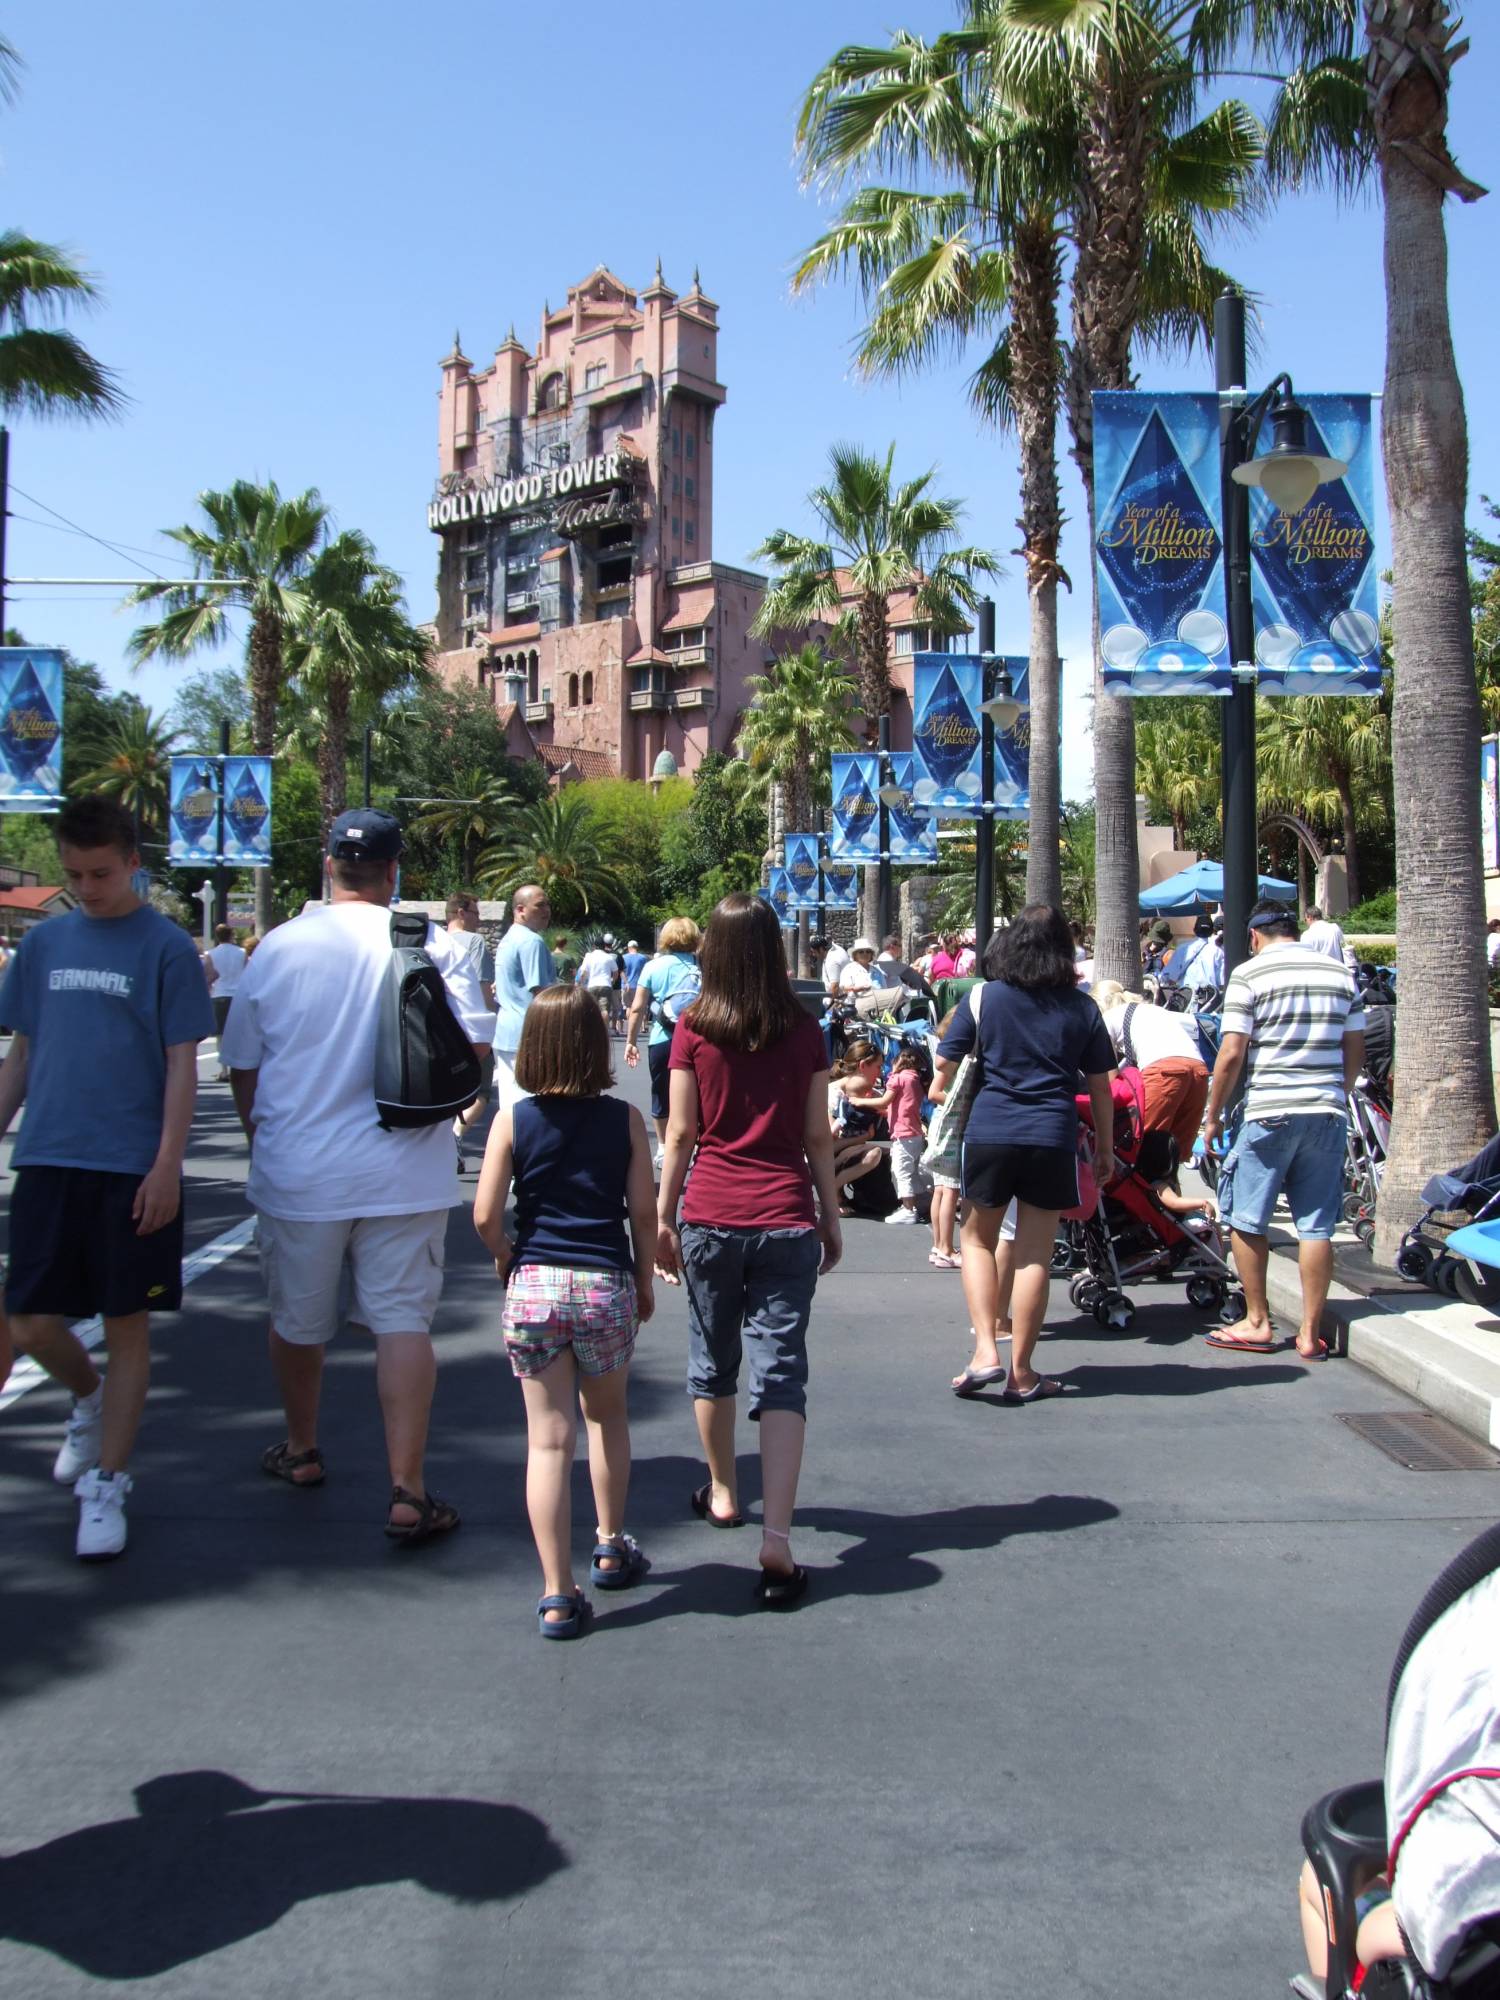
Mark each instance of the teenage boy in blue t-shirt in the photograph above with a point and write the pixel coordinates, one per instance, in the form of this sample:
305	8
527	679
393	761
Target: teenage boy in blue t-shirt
108	1005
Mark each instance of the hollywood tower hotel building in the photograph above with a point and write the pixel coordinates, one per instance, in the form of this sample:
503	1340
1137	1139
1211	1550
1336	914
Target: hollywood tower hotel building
574	512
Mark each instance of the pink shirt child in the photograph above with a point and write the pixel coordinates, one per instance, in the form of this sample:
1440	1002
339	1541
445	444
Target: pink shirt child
904	1119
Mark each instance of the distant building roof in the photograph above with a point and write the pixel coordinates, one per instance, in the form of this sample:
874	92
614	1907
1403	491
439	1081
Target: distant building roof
33	899
559	760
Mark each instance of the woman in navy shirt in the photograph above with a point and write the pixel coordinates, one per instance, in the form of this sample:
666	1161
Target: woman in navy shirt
1035	1035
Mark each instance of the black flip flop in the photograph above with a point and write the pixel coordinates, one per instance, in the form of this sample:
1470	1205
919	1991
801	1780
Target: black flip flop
701	1508
777	1591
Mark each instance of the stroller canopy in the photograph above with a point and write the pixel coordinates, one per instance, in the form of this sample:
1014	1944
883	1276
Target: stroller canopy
1442	1769
1197	889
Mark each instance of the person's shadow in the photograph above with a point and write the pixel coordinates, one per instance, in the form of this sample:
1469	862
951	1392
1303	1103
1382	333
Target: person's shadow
210	1861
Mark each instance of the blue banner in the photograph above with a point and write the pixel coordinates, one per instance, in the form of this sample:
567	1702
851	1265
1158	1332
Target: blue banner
194	812
856	827
913	833
1160	544
247	812
31	724
1313	574
778	893
947	689
840	885
802	856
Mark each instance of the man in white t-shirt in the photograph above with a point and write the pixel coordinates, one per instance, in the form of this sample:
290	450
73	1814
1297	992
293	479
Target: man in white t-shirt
597	972
223	963
834	958
340	1201
1321	934
472	988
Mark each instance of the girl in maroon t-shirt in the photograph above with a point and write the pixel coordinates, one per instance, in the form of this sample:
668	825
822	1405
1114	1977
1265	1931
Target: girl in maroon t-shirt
749	1112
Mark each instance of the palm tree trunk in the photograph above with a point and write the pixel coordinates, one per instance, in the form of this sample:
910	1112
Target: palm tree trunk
1445	1107
874	662
1351	834
265	698
333	753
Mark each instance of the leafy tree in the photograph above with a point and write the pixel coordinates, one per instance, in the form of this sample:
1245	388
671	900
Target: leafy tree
481	809
46	371
631	820
250	554
1325	756
207	699
875	537
715	846
553	843
798	716
1177	766
133	765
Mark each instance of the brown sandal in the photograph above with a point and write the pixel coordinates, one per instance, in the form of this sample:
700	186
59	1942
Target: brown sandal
435	1516
284	1463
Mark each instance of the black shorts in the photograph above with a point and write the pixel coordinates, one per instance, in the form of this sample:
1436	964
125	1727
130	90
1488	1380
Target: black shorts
221	1003
1043	1176
658	1056
74	1248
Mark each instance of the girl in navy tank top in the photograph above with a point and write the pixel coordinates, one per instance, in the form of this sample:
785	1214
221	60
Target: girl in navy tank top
578	1283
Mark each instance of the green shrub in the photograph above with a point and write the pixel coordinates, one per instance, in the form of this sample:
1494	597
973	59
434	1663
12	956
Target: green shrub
1375	954
1376	913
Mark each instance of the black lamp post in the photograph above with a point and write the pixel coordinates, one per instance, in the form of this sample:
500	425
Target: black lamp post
883	868
1290	475
997	707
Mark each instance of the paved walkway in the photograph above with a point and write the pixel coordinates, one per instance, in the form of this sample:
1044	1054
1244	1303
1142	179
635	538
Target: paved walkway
1068	1677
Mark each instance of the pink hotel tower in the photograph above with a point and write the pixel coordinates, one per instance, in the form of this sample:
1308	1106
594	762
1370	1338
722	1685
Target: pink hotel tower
574	516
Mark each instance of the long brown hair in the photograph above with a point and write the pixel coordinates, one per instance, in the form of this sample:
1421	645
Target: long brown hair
747	1000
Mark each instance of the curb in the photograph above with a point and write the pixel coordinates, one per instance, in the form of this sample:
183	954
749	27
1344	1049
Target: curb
1437	1354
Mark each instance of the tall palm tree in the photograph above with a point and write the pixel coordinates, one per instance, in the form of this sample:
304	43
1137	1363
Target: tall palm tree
46	371
250	554
352	647
474	817
554	844
876	537
797	718
1320	751
131	761
1177	762
1445	1103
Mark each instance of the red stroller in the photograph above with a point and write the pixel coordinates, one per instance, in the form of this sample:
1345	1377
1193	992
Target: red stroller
1131	1235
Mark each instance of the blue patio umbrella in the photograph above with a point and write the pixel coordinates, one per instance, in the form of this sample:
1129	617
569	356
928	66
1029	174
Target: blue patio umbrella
1200	887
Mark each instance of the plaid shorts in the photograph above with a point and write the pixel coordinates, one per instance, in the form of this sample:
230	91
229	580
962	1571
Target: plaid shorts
549	1309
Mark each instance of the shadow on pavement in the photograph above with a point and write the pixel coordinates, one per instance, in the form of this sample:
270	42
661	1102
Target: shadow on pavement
1176	1378
209	1861
886	1557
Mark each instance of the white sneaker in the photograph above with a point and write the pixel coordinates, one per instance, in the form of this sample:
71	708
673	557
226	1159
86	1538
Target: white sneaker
80	1445
659	1160
101	1518
899	1216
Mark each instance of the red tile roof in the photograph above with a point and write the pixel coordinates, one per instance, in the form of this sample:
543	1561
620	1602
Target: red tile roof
28	899
587	763
507	635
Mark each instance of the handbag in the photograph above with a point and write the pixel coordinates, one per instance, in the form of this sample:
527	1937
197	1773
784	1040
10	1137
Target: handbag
945	1135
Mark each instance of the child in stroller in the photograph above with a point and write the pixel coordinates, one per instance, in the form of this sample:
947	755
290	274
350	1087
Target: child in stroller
1144	1227
1404	1878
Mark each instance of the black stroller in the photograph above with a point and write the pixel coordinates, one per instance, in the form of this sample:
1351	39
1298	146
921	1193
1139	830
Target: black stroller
1434	1825
1470	1193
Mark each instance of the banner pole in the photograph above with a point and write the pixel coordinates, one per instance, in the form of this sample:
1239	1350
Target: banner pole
883	868
1237	725
984	845
221	873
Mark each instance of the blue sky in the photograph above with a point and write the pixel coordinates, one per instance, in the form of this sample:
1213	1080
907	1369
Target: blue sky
290	209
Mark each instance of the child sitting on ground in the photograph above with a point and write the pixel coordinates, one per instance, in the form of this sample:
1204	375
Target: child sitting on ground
853	1109
576	1289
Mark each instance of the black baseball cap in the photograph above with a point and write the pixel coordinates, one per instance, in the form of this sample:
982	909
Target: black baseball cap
1267	914
365	834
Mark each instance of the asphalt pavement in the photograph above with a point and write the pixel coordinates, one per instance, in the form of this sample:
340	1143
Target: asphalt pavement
1066	1680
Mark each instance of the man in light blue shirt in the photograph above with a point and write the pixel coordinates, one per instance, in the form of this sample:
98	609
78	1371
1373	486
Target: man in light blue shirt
523	966
1199	961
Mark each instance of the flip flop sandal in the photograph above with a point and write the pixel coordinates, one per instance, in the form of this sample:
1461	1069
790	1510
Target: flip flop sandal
1320	1355
1046	1387
701	1508
435	1516
776	1591
631	1564
284	1463
564	1628
1244	1346
973	1380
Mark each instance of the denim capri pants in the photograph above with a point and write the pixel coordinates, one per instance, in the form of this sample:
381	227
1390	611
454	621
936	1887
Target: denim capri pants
749	1289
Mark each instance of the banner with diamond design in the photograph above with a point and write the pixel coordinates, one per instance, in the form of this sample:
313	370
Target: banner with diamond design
802	860
194	812
247	812
856	823
913	833
31	729
778	893
947	689
840	885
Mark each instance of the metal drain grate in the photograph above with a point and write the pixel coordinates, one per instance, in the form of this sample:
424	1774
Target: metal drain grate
1421	1441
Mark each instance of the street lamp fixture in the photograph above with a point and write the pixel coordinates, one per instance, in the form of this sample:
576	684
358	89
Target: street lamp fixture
1000	706
1288	474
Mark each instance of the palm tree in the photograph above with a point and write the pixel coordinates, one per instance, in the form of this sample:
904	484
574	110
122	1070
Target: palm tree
555	845
1316	752
876	538
352	646
474	818
131	761
45	370
797	718
1445	1104
1177	762
250	554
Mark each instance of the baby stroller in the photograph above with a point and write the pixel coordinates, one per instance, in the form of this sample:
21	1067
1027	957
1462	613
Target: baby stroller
1434	1826
1132	1235
1470	1193
1368	1141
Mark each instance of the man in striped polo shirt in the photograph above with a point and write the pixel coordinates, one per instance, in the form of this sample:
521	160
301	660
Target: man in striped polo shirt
1297	1016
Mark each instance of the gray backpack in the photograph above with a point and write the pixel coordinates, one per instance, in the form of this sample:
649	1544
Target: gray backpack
425	1066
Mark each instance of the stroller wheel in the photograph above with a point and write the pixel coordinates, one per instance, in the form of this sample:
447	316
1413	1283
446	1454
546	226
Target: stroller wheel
1364	1229
1414	1261
1353	1207
1085	1292
1233	1308
1207	1294
1445	1276
1062	1257
1477	1285
1115	1313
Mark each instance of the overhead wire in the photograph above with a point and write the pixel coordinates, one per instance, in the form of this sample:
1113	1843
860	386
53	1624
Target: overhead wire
88	534
65	528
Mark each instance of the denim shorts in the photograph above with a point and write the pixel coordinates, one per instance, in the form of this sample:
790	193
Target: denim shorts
750	1288
1301	1156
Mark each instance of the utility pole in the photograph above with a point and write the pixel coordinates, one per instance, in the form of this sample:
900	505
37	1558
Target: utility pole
1237	714
4	517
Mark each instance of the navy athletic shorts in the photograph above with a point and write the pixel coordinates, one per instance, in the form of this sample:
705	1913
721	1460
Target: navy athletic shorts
74	1249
